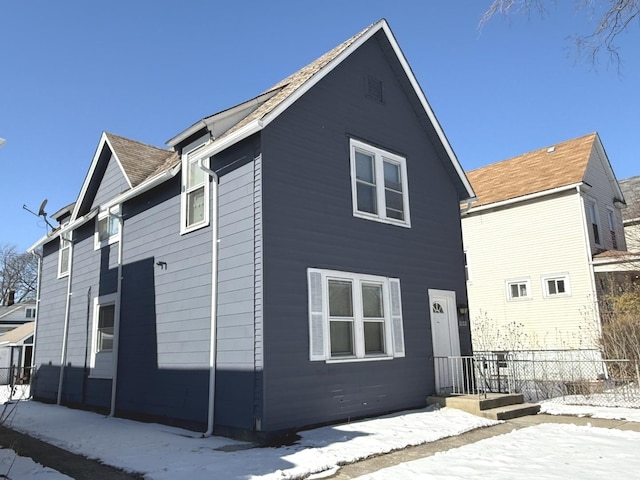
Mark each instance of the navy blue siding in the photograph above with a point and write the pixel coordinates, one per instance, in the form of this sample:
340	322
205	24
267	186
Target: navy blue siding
308	222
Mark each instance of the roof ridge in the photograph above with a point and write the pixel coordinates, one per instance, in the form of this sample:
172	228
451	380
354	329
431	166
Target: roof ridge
120	137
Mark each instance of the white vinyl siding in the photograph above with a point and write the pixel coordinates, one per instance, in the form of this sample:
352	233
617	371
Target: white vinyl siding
531	240
354	317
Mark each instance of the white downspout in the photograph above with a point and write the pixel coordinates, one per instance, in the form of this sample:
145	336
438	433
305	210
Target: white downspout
65	332
35	323
116	320
214	296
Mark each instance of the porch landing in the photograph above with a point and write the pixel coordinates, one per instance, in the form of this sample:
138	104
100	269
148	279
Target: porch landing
496	406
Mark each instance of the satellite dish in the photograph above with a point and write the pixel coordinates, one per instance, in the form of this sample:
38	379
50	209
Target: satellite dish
41	212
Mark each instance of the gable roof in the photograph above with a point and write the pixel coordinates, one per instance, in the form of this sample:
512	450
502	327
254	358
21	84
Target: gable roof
548	168
631	190
138	161
18	334
279	97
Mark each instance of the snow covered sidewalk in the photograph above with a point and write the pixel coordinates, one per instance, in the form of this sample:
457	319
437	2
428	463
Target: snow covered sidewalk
162	452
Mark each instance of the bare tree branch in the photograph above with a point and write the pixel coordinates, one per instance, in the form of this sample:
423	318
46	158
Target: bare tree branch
18	274
611	18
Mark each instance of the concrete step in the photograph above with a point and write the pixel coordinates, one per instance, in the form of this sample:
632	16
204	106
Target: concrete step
511	411
477	403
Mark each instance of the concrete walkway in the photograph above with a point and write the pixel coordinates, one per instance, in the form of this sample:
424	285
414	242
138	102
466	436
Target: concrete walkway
374	464
75	466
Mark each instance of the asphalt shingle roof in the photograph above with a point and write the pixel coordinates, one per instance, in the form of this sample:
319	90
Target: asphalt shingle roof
544	169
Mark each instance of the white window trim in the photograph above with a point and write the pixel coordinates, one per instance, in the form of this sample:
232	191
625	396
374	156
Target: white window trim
558	276
30	312
98	302
467	270
65	244
378	153
594	220
512	281
611	220
319	335
184	214
114	214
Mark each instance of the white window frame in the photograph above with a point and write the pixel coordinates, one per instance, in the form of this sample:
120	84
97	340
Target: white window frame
518	281
30	312
319	319
101	361
613	233
380	156
594	219
564	277
189	158
65	247
112	216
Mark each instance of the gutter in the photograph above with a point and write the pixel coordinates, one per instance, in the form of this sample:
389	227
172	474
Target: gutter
35	324
214	297
524	198
65	330
116	320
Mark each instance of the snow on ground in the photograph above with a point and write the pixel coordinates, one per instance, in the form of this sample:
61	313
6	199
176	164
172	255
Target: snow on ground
16	467
18	392
557	407
546	451
163	452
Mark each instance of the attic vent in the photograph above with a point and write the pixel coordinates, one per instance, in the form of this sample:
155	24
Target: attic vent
551	149
373	88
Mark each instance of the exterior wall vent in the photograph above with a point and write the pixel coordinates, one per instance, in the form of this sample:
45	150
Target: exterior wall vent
373	88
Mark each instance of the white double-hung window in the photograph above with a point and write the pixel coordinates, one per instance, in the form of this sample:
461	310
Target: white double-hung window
103	335
354	316
64	254
107	227
195	193
379	184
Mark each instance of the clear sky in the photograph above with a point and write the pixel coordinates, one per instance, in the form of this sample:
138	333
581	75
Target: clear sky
147	69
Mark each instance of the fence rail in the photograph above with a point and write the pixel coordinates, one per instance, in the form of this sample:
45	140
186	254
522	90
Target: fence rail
576	377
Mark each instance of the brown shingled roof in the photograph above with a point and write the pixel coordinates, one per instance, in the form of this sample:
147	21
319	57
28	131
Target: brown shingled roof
139	160
545	169
290	84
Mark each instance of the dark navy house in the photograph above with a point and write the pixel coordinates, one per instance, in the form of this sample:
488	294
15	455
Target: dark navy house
291	261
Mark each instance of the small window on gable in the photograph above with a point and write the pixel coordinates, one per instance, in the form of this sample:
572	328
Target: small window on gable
354	317
107	227
195	193
30	313
592	208
379	185
518	289
64	254
612	228
556	286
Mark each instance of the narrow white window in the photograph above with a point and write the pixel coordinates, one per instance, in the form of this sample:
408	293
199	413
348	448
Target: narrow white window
518	289
107	227
105	309
592	208
354	317
379	184
556	285
64	254
195	193
612	228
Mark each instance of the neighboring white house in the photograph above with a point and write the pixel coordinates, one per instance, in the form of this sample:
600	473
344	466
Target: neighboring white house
16	314
631	215
530	241
16	353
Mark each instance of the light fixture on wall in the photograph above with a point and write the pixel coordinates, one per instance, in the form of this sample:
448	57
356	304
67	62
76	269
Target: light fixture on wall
463	309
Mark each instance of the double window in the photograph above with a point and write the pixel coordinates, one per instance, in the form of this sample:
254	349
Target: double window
354	316
30	313
195	193
556	285
379	184
518	289
107	227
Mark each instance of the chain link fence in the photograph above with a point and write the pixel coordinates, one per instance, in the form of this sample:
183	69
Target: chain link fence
577	377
